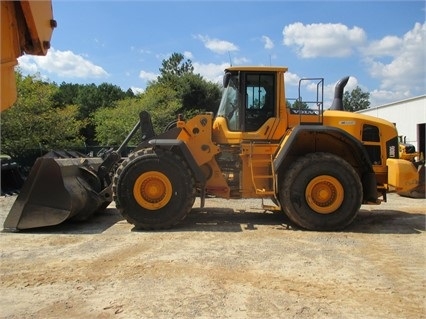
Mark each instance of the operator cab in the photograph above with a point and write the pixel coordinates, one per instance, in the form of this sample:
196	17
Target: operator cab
248	100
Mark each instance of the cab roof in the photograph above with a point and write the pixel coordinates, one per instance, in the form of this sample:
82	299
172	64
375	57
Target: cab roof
257	68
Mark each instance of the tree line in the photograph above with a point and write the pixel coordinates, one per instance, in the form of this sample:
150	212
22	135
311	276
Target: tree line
50	116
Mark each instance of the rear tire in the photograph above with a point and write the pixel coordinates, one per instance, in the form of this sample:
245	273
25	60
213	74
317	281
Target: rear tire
321	191
153	189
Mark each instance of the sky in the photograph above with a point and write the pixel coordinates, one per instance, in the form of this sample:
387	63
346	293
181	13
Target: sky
380	44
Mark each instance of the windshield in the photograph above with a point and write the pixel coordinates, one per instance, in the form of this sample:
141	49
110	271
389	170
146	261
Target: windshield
229	105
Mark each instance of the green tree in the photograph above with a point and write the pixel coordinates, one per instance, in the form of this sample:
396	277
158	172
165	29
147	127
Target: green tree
199	94
194	91
66	94
109	94
356	100
91	97
300	105
88	98
175	66
34	123
129	93
112	125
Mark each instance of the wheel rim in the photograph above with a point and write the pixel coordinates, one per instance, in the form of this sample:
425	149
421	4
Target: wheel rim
152	190
324	194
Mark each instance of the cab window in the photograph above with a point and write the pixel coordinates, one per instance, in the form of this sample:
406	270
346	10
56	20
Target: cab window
259	100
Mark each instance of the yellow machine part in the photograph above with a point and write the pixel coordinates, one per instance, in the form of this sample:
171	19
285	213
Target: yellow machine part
26	27
152	190
402	175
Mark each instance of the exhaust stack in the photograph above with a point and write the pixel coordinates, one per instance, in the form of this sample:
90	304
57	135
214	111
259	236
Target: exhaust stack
338	94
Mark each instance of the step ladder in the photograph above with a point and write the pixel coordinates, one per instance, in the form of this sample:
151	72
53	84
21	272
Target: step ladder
255	164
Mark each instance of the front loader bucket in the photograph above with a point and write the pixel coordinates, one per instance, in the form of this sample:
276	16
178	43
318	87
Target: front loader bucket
418	191
57	189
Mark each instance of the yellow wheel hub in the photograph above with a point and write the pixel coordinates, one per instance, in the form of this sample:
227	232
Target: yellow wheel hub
324	194
152	190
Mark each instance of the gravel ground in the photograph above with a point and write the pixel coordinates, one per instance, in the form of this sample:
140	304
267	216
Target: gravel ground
227	260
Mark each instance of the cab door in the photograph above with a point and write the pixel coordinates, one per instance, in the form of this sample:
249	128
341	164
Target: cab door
258	101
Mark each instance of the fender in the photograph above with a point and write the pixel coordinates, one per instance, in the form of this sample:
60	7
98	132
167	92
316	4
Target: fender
293	148
179	146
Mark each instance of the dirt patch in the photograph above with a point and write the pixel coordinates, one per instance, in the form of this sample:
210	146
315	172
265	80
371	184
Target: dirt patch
228	260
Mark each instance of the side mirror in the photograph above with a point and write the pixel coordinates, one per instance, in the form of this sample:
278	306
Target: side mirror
226	79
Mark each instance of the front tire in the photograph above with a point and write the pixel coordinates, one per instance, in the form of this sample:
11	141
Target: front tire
321	191
153	189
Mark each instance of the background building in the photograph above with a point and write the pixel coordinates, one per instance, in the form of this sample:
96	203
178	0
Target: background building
409	117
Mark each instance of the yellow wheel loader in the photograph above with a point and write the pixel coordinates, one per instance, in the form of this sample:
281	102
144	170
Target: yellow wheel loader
318	165
408	152
26	27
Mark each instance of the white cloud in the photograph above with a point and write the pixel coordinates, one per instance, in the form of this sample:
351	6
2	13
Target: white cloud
28	64
188	55
147	76
216	45
239	61
380	97
137	90
308	90
326	40
210	71
384	47
63	64
269	44
399	63
291	79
